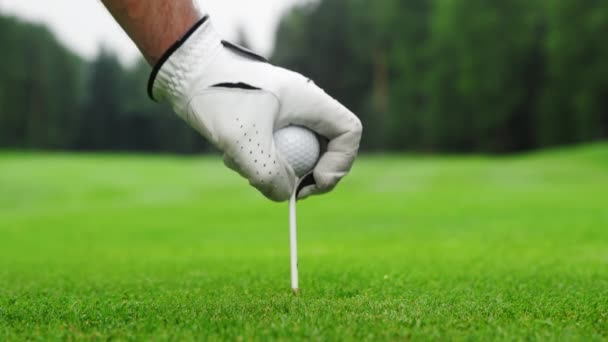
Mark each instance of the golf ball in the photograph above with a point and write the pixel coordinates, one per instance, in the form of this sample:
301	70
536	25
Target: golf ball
299	146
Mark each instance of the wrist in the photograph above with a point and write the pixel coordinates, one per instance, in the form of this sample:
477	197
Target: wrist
175	28
183	61
154	25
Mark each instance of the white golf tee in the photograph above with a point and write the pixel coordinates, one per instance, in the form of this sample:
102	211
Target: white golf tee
293	241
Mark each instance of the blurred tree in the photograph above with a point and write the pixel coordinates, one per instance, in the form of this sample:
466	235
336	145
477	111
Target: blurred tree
104	102
427	75
575	102
12	82
312	41
40	85
51	99
485	67
466	75
149	126
122	117
399	35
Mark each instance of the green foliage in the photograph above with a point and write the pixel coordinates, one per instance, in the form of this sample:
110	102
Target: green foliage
329	55
575	102
36	74
479	93
118	115
52	99
156	248
150	126
103	103
458	75
423	75
408	64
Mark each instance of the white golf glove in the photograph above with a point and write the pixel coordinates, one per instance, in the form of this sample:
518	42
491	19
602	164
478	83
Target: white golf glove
237	100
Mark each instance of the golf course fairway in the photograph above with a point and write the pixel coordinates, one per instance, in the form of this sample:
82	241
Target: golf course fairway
132	247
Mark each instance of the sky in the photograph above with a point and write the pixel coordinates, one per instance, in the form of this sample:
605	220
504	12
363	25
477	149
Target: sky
83	25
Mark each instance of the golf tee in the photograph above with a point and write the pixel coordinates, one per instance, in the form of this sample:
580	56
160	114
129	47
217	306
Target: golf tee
293	241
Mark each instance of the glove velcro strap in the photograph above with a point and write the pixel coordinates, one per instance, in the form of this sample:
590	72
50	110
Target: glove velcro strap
179	64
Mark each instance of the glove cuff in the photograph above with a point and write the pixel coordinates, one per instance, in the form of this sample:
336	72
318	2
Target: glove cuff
172	75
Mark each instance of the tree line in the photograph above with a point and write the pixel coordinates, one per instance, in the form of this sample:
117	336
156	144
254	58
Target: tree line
423	75
51	98
458	75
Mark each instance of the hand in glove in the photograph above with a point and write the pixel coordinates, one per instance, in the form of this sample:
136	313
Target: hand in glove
237	100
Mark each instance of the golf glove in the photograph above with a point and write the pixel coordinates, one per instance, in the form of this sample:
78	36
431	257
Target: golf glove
237	100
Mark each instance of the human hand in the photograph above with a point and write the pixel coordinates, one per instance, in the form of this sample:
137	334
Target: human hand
237	100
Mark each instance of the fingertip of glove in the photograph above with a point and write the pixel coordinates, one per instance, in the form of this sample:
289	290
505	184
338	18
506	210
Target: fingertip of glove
357	125
354	127
306	192
277	196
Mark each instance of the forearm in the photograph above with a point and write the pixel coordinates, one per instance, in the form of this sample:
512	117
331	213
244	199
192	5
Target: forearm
154	25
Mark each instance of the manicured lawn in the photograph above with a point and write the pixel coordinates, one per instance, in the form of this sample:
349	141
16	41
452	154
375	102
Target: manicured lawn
151	247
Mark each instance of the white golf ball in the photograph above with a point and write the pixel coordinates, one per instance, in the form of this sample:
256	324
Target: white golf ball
300	147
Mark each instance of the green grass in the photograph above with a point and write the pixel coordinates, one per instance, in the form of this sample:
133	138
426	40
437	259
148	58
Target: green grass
464	248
